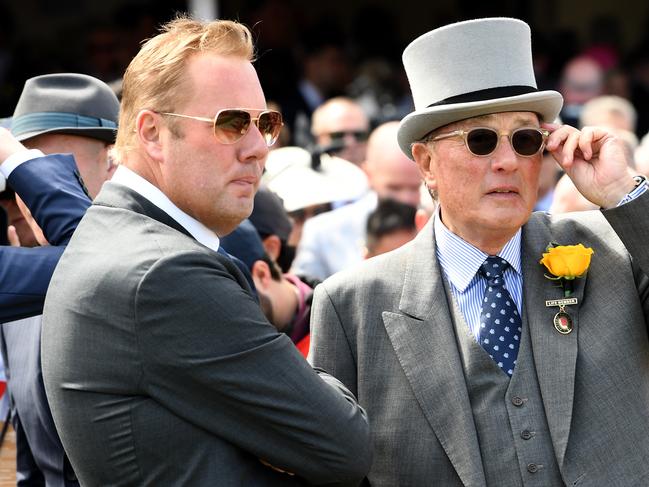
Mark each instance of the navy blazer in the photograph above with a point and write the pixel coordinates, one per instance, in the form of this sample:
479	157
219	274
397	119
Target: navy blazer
51	188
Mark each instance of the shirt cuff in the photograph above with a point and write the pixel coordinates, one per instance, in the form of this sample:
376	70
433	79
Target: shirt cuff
16	159
637	191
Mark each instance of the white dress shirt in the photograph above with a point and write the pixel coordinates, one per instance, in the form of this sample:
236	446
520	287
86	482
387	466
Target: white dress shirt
144	188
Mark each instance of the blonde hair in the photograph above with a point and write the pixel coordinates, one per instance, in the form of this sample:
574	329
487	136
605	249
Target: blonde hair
155	77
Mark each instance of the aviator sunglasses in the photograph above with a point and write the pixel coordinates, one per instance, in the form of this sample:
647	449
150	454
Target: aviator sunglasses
232	124
483	141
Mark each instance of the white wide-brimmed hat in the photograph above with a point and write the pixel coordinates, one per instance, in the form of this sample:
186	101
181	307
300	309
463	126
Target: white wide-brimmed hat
468	69
290	175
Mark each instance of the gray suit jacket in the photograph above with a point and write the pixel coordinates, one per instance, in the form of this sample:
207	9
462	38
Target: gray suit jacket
385	331
161	369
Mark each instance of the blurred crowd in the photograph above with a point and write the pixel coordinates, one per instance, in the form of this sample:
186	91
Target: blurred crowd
344	190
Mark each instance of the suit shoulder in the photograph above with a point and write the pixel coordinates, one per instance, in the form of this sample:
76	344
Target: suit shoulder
381	271
584	226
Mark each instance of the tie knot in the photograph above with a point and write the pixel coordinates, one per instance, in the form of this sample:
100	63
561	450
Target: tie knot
493	267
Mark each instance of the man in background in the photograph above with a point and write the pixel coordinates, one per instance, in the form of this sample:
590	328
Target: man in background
341	127
389	226
336	240
56	113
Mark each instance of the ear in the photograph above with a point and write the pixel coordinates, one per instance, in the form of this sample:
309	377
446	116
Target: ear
424	159
261	275
147	126
273	246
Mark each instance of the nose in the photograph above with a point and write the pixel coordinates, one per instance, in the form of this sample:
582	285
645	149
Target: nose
350	139
253	145
504	158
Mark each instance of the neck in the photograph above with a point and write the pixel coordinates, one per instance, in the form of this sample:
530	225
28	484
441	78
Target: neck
491	242
290	298
142	168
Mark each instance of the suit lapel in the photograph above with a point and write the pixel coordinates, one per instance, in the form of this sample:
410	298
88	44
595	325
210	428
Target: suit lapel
555	355
423	339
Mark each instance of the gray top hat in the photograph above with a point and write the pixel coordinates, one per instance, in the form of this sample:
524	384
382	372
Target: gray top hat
468	69
66	103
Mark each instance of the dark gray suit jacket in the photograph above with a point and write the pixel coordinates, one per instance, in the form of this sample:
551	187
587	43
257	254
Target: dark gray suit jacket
161	369
385	330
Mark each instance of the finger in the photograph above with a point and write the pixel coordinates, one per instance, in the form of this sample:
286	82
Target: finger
569	148
558	136
550	126
12	236
586	142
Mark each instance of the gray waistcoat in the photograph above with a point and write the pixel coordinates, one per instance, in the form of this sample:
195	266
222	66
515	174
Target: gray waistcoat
513	433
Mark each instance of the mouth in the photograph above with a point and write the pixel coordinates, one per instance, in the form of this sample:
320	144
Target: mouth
503	191
246	180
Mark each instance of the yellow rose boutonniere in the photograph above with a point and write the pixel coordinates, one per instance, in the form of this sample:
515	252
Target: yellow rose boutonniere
566	263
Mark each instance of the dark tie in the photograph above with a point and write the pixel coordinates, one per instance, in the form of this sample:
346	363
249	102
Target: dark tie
500	323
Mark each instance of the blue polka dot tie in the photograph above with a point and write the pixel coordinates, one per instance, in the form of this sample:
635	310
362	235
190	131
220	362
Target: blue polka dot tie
500	323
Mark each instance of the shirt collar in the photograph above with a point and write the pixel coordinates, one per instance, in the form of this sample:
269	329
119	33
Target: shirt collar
144	188
460	260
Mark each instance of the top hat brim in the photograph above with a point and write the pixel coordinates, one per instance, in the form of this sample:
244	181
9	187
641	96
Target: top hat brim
414	126
105	134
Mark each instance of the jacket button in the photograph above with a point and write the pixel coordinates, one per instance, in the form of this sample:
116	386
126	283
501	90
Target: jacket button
526	434
532	468
517	401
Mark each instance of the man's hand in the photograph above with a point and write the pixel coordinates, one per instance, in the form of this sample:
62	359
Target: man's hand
12	236
8	145
595	161
38	233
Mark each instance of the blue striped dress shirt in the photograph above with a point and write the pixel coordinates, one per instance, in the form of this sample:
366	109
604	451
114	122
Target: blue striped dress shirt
460	262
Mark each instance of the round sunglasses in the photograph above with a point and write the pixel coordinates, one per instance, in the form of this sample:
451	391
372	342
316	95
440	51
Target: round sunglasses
483	141
232	124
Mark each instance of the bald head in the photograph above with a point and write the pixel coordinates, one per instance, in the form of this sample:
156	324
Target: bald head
341	121
390	173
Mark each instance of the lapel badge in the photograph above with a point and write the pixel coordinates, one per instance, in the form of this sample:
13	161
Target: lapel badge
562	322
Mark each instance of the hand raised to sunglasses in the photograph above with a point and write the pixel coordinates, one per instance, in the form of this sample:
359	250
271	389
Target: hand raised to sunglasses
594	159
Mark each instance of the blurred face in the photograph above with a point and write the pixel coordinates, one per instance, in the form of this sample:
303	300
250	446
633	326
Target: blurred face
582	80
346	126
484	200
214	182
391	174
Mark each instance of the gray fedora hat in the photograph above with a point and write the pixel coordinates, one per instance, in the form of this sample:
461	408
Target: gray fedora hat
66	103
468	69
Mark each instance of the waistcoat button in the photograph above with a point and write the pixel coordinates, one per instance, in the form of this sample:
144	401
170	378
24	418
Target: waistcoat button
532	468
517	401
526	434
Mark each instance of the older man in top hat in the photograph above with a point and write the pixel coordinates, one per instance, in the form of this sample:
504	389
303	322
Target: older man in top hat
476	363
56	113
